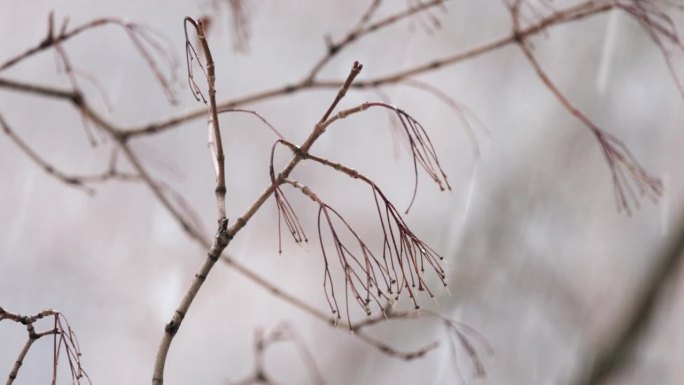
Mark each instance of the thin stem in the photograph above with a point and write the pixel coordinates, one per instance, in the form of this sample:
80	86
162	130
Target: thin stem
224	236
362	29
213	119
570	14
61	332
617	155
20	360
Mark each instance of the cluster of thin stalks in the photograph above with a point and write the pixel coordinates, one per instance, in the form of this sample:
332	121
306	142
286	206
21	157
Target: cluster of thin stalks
369	277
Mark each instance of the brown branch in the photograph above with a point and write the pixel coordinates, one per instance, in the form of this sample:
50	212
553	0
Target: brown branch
37	89
392	352
121	140
660	28
367	15
570	14
460	335
362	30
225	235
79	181
281	333
64	339
335	321
620	160
257	115
186	225
213	117
67	67
20	358
153	49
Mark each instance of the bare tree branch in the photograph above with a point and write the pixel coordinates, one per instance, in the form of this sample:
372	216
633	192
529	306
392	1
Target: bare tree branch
225	235
64	340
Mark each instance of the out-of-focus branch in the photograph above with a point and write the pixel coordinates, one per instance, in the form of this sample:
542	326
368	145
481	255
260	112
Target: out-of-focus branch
333	321
644	11
574	13
363	28
184	223
76	97
623	165
620	346
225	235
151	47
222	239
78	181
281	333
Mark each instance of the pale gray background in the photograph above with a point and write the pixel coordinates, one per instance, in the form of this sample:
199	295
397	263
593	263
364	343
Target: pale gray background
539	261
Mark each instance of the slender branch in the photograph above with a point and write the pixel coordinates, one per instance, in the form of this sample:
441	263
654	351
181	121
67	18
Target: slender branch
37	89
61	332
282	332
356	68
45	165
620	160
192	232
149	45
367	15
225	235
78	181
20	361
362	29
158	192
404	355
570	14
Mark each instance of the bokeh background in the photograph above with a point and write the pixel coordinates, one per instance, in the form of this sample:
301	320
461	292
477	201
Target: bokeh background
539	260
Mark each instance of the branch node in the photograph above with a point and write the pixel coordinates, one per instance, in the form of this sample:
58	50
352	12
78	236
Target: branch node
171	328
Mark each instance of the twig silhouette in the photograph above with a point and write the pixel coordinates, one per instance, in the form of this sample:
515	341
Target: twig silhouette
64	340
224	234
281	333
623	165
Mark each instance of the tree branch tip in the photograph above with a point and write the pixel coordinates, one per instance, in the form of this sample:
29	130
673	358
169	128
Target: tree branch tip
357	67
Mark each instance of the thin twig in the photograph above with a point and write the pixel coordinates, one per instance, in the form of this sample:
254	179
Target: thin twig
153	49
362	29
79	181
282	332
64	339
617	155
570	14
225	235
